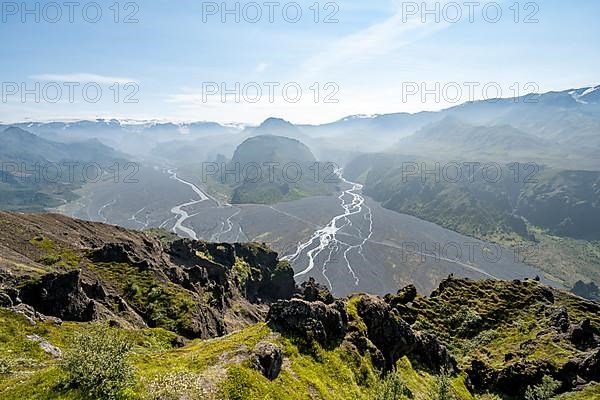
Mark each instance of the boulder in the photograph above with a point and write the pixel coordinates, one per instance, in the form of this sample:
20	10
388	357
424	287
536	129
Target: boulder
326	324
267	358
406	295
395	338
5	300
311	290
45	345
60	295
582	335
589	368
559	319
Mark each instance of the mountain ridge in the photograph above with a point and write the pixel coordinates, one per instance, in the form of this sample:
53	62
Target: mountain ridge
479	337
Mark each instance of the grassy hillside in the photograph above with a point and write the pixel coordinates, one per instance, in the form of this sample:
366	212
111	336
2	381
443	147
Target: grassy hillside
552	215
92	311
37	174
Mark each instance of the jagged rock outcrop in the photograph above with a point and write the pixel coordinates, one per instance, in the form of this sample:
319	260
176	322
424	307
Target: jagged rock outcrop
405	295
62	296
395	338
589	368
380	330
143	257
54	268
516	377
385	329
579	371
559	319
326	324
512	380
251	270
311	290
582	335
84	271
268	359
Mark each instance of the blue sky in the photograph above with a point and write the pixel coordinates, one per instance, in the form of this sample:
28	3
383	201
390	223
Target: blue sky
369	58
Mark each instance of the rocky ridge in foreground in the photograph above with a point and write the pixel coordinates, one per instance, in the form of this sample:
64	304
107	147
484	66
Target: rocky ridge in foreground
232	321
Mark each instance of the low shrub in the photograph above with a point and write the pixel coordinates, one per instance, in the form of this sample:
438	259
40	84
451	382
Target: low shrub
97	364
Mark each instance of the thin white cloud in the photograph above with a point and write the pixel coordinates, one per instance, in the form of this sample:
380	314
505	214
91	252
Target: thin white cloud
261	67
83	77
375	41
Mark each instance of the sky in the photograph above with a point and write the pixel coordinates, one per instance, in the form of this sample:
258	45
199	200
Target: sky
305	61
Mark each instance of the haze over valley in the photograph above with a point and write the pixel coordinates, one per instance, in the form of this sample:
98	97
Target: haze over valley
325	197
339	200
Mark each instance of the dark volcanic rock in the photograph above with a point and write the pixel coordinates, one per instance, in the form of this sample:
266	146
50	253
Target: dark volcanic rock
559	319
262	277
432	354
388	332
446	283
546	293
395	338
590	367
512	380
279	283
13	293
479	375
318	321
268	358
582	335
311	290
406	295
60	295
516	378
124	253
5	300
580	371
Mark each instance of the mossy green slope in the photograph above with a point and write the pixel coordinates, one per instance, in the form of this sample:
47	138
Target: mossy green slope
222	365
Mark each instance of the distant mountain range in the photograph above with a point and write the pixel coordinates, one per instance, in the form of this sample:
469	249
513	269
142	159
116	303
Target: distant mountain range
21	145
37	173
566	120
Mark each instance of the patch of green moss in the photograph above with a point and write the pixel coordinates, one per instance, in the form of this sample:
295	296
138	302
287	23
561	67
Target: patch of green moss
164	304
205	255
43	243
241	269
353	313
592	392
420	383
338	374
54	255
489	319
